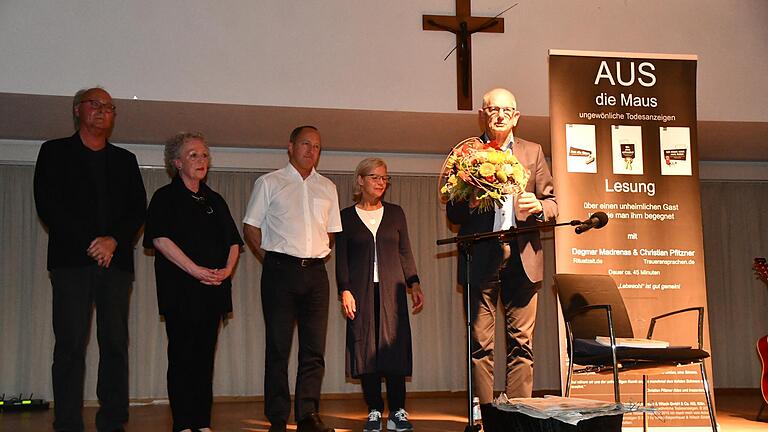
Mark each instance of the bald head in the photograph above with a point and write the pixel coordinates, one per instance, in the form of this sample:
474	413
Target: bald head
499	114
94	111
499	94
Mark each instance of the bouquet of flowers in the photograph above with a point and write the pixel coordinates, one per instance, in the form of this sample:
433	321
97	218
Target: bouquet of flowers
480	170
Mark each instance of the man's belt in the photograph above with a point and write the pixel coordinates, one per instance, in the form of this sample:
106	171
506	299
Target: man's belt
302	262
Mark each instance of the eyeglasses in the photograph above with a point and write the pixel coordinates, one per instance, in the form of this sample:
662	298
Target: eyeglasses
99	105
494	110
376	177
194	157
203	203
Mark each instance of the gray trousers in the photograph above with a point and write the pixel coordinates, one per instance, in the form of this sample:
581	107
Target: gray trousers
519	298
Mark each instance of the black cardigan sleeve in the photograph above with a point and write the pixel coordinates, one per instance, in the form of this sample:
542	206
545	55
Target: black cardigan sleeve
406	255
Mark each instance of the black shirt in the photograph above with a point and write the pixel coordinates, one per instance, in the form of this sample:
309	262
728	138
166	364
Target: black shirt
97	166
201	225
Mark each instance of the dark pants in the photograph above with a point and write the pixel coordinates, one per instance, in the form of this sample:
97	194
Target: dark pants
372	391
372	382
75	290
518	297
191	352
291	295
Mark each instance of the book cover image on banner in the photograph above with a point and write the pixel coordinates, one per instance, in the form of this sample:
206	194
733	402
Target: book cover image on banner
675	143
627	149
582	151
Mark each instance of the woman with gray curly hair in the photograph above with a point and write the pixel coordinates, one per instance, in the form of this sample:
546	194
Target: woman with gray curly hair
198	243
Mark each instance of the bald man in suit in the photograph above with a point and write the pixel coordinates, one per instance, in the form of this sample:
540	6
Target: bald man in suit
511	271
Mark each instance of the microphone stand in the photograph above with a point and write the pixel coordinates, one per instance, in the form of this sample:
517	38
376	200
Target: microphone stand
464	243
503	235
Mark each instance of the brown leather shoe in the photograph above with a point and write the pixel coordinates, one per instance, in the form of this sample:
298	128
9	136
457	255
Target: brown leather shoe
313	423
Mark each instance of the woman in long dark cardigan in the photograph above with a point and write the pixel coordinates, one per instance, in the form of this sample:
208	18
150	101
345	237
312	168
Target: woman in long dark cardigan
374	269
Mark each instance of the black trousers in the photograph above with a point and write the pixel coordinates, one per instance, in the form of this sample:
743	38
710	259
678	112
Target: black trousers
191	352
75	291
293	295
372	391
371	383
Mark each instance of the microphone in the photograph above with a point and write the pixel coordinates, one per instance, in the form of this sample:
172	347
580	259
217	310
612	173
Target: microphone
596	221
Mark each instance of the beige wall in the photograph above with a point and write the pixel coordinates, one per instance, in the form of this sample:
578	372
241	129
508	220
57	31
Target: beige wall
365	54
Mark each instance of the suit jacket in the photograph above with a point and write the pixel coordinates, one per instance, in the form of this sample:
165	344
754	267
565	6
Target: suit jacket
66	202
397	270
487	254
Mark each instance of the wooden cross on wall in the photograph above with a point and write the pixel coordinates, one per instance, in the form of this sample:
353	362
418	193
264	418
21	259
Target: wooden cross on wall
463	25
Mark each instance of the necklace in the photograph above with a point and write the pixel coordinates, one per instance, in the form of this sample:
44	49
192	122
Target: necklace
203	203
370	216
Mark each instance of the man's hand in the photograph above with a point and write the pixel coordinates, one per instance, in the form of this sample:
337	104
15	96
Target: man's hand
102	249
252	237
526	204
348	304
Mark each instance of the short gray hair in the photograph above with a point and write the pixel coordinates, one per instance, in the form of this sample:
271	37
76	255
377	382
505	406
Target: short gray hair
173	148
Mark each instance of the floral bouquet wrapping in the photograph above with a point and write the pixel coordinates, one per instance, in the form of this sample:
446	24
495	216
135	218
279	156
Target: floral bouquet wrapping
477	169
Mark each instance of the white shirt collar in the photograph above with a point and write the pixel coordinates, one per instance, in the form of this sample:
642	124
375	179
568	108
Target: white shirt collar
294	172
507	145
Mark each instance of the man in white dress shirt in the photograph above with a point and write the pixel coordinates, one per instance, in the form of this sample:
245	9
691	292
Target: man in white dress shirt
290	220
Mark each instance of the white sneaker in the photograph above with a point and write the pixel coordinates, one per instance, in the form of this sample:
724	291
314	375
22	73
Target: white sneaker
373	424
398	421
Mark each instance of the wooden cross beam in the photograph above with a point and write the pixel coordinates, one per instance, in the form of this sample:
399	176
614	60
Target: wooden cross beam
463	25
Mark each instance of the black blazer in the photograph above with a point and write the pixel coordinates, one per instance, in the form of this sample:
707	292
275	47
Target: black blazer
66	200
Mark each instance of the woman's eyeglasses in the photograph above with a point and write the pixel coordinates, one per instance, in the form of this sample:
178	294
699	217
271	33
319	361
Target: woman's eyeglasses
377	178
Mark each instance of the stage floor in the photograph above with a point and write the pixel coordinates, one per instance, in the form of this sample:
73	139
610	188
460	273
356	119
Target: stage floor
736	411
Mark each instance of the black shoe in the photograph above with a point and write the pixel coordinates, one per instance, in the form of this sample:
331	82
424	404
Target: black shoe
277	427
373	424
398	421
313	423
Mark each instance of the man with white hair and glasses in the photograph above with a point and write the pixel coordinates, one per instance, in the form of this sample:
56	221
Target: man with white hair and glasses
511	271
90	195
